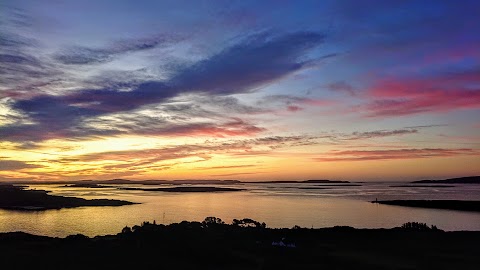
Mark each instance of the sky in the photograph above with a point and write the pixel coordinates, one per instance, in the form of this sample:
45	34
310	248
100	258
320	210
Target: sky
246	90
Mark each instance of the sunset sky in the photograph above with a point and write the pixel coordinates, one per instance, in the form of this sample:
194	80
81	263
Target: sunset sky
247	90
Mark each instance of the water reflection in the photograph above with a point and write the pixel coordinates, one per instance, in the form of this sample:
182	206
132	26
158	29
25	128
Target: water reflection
281	205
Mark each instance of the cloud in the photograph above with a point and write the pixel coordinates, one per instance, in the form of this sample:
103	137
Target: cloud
202	151
226	167
230	128
293	108
14	165
427	126
380	134
291	103
440	93
342	86
395	154
79	55
227	103
138	161
255	61
238	173
18	63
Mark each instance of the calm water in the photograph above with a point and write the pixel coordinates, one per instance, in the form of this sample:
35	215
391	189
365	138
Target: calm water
278	205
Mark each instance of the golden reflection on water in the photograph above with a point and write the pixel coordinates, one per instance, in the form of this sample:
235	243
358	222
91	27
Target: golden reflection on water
277	207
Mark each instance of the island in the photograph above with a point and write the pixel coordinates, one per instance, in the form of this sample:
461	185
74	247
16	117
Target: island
459	180
245	244
87	185
185	189
473	206
19	198
300	182
339	185
424	186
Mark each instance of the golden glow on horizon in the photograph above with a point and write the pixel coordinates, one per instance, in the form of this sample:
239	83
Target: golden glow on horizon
138	157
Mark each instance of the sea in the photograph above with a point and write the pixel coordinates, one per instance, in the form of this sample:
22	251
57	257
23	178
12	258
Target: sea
279	205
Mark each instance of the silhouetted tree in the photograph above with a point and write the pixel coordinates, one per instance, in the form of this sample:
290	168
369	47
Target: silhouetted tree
212	221
135	228
247	222
417	226
126	230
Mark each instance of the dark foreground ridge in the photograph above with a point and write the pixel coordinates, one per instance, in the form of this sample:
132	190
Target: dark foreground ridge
185	189
459	180
18	198
473	206
246	244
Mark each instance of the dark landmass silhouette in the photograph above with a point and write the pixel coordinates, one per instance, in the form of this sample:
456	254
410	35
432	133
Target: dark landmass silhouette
92	183
473	206
313	188
245	244
185	189
19	198
459	180
429	186
298	182
324	181
88	185
339	185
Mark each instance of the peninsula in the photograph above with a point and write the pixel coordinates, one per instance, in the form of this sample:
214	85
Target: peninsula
18	198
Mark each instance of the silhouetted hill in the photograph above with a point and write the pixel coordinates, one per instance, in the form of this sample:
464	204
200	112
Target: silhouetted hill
18	198
246	245
459	180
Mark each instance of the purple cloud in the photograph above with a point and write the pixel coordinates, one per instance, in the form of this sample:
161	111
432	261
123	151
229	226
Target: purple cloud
251	63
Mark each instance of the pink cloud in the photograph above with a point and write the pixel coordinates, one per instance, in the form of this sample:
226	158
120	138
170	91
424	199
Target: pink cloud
293	108
395	96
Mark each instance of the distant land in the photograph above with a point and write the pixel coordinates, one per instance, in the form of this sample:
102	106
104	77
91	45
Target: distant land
88	185
297	182
423	186
105	183
458	180
185	189
95	183
19	198
473	206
